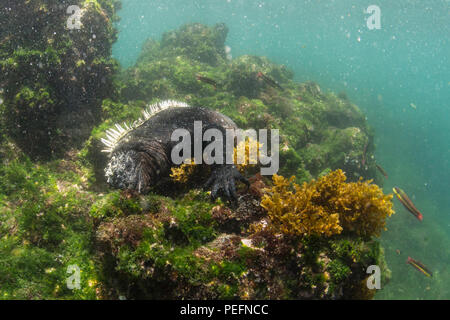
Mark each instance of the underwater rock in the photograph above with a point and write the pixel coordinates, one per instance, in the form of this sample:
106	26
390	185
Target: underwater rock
243	77
189	248
53	77
198	42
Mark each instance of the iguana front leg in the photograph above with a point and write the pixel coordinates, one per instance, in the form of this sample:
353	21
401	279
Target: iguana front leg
223	181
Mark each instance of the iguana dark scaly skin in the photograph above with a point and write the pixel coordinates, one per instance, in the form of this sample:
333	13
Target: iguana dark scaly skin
140	155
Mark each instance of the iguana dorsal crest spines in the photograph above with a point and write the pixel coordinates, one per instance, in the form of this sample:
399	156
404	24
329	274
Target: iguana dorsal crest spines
113	135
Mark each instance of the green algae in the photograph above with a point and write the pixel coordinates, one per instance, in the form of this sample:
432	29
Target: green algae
43	229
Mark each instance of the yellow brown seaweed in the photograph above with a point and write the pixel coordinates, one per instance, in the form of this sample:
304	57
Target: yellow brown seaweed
182	173
327	206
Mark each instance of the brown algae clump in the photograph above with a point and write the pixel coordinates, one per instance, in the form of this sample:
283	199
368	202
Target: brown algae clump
327	206
182	173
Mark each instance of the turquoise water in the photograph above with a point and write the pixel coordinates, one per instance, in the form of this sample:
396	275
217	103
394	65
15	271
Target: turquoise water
398	75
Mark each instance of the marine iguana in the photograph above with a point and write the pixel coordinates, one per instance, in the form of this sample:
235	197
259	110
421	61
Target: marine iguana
140	153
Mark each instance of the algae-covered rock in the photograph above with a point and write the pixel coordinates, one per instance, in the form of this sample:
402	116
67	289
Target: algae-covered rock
54	72
243	76
190	248
198	42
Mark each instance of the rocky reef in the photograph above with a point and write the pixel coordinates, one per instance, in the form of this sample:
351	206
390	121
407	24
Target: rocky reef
191	248
54	76
312	236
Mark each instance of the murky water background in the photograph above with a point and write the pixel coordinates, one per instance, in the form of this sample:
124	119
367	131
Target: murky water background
399	76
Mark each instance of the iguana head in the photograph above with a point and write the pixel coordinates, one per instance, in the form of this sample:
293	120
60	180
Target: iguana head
136	164
122	171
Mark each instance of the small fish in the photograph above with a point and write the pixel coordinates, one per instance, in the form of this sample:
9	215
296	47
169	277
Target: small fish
269	81
398	251
207	80
412	105
419	266
383	172
407	203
